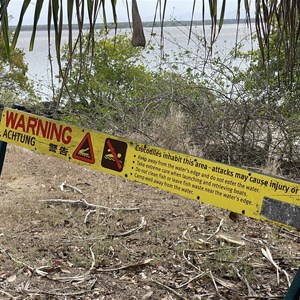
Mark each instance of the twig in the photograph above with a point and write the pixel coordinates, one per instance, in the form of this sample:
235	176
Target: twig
78	279
112	235
39	292
191	279
250	290
140	264
253	241
187	260
217	230
230	240
93	257
128	232
212	250
7	294
83	203
289	232
168	289
267	254
215	285
263	297
33	270
75	189
87	215
184	235
214	282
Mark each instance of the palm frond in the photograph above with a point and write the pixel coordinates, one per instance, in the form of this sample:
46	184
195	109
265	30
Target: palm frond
4	25
138	37
269	14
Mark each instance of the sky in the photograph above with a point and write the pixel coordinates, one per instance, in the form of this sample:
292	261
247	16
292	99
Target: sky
176	9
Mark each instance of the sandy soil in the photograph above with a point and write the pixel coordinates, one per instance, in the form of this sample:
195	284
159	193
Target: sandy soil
131	242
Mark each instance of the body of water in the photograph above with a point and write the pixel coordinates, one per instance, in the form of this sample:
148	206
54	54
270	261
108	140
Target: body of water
175	41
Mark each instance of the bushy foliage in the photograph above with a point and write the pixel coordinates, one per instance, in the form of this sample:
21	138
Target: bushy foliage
119	94
224	108
258	121
15	87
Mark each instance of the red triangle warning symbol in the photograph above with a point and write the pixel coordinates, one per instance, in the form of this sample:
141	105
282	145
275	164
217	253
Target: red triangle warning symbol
84	151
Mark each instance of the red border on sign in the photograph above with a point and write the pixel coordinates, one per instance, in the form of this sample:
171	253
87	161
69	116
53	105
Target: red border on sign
113	152
91	160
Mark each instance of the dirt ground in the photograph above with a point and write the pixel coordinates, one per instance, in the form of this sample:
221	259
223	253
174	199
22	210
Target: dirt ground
67	232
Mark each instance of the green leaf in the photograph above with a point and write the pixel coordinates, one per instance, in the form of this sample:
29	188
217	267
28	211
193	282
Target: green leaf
19	25
70	17
222	15
114	9
5	28
38	8
55	10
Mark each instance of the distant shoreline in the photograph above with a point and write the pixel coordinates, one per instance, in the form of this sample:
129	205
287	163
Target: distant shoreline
150	24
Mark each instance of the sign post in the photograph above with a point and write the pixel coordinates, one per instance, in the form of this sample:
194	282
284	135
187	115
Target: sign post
2	154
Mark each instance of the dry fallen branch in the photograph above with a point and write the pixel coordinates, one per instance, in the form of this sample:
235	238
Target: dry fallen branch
168	289
10	296
289	232
188	261
264	297
38	271
77	279
130	231
111	235
217	230
68	186
267	254
212	250
230	239
87	215
213	280
93	257
83	203
191	279
227	284
136	265
245	281
185	237
52	293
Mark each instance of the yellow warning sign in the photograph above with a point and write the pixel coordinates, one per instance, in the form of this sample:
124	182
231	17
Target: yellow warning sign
239	190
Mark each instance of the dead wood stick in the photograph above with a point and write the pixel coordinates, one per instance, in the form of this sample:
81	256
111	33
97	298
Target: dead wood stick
39	292
33	270
217	230
263	297
187	260
168	289
83	203
93	258
191	279
128	232
184	235
77	279
251	292
136	265
213	280
66	185
87	215
7	294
